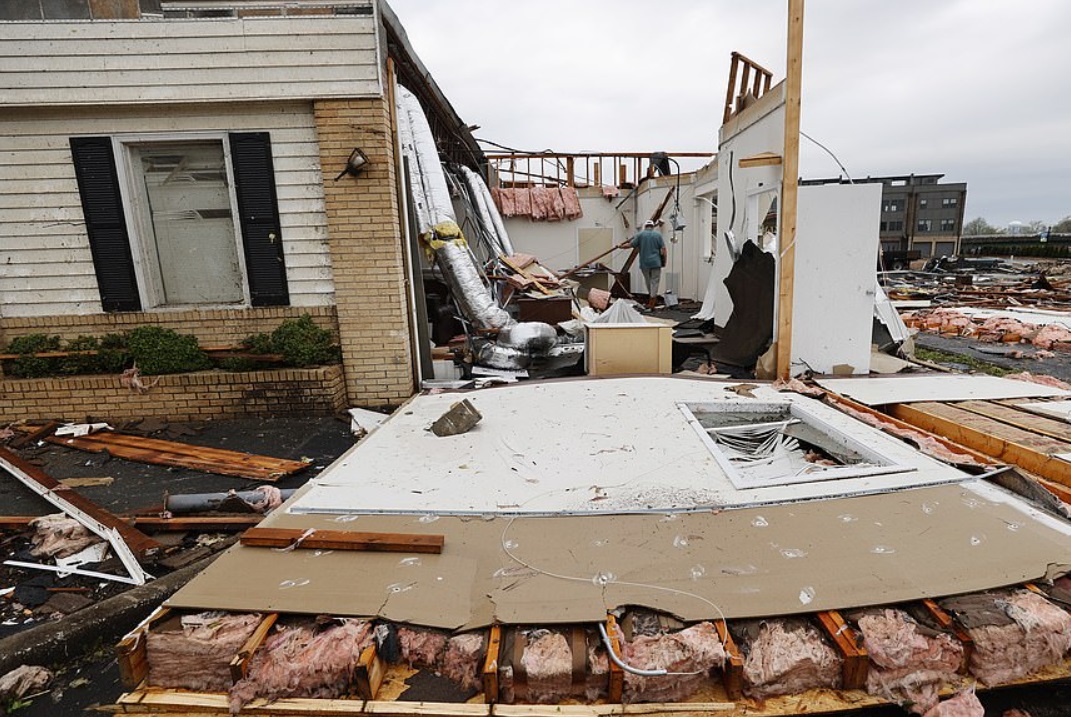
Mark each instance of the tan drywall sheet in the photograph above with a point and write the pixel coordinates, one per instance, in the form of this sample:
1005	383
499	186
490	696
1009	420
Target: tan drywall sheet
935	387
790	558
595	445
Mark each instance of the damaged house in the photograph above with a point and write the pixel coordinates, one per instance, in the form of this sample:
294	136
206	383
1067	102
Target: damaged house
214	169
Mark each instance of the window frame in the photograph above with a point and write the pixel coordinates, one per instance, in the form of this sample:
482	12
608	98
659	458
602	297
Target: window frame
139	221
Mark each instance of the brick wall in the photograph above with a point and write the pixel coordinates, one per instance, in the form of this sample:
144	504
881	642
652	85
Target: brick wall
367	258
212	327
204	395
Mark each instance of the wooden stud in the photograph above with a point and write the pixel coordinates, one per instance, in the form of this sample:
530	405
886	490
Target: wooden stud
946	621
844	638
617	675
240	663
369	673
730	92
343	540
37	434
526	274
193	523
489	673
1050	427
789	187
733	671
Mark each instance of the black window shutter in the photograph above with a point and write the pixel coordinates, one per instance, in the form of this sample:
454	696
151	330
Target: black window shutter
102	207
258	209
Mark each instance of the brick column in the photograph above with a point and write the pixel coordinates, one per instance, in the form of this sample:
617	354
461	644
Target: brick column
365	241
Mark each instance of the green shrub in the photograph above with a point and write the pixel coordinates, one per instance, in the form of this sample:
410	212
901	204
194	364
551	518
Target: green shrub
32	366
156	350
74	365
258	344
113	355
303	343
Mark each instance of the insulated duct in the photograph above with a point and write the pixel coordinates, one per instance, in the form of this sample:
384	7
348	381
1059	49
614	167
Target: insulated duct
489	215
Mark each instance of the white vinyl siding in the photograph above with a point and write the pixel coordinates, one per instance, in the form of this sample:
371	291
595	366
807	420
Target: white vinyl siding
45	263
224	60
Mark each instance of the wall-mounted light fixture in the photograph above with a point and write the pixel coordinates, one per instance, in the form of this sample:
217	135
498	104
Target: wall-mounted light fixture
355	164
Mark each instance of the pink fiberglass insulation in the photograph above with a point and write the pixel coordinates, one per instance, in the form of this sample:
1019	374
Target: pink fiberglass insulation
302	661
787	657
197	656
522	199
690	653
1051	334
58	536
962	704
1039	379
461	663
547	673
422	648
504	200
909	663
557	205
571	200
1014	633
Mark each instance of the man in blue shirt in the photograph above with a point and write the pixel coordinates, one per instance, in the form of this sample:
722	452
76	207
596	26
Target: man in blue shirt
652	258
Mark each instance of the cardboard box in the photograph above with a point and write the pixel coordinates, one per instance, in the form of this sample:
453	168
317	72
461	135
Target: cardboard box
614	349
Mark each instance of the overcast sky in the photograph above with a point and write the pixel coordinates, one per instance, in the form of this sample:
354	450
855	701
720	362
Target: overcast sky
975	89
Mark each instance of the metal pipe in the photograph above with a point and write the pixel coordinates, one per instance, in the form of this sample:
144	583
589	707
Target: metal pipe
203	502
621	663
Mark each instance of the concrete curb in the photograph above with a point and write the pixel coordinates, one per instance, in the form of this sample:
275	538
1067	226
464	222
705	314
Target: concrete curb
105	622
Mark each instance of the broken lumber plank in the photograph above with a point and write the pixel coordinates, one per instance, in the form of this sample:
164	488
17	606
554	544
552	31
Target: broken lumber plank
369	673
95	518
856	662
39	433
489	672
1051	427
733	670
1027	450
762	159
229	523
160	452
526	274
946	621
343	540
239	665
16	522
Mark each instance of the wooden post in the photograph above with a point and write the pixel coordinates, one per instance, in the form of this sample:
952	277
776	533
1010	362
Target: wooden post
789	187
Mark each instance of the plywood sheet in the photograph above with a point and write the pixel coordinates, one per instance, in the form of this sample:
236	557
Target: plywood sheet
935	387
746	562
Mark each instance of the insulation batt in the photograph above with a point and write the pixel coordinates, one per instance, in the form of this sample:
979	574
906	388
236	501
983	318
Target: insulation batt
962	704
462	660
547	660
787	659
1040	635
197	656
909	667
303	662
422	648
694	651
58	536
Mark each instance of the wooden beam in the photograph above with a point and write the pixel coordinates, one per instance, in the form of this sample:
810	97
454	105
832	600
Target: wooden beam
733	669
855	660
789	188
1034	423
1027	450
240	663
946	621
194	523
763	159
64	498
343	540
38	434
525	273
130	651
489	673
617	675
369	673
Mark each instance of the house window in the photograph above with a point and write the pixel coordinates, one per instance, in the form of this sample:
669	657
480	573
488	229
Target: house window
948	225
884	226
892	205
923	202
949	202
925	225
188	245
197	226
897	226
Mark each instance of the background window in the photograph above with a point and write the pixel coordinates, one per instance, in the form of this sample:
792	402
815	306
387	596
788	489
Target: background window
949	202
897	226
925	225
948	225
922	203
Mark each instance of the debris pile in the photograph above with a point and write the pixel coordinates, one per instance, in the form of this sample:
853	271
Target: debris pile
992	329
1014	633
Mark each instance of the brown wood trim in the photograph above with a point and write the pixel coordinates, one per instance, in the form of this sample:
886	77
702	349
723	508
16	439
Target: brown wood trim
343	540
